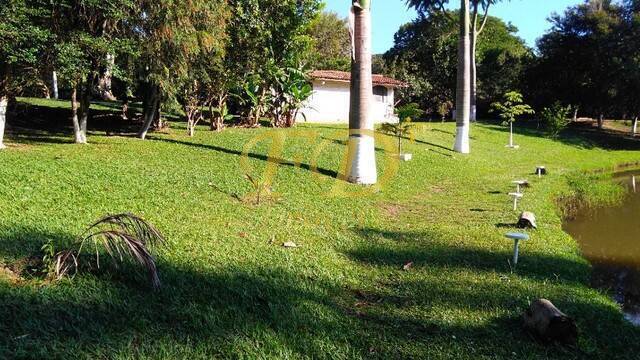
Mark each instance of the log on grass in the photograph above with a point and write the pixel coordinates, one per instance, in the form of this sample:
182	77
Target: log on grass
548	323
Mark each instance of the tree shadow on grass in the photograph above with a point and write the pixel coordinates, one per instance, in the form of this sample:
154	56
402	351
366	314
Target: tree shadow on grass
252	311
273	160
422	250
580	135
45	124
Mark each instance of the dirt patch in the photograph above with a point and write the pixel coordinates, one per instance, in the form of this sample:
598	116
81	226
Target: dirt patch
392	210
8	274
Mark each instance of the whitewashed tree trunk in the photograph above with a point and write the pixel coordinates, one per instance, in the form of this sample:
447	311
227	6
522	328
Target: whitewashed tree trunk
361	164
4	102
54	84
104	83
77	133
474	76
463	91
600	121
634	126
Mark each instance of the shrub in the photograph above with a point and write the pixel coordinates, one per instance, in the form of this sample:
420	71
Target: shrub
556	118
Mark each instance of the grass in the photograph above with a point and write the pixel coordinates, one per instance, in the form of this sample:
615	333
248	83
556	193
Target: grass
231	290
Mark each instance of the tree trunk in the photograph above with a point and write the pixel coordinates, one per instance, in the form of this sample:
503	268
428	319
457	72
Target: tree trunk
547	322
600	121
54	84
77	133
104	83
4	103
511	134
85	108
125	108
361	161
575	114
634	126
151	107
473	73
463	92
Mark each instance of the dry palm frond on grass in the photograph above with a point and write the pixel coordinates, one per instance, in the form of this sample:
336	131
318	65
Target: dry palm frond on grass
123	236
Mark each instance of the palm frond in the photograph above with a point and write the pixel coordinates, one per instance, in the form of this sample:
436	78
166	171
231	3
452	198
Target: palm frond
124	237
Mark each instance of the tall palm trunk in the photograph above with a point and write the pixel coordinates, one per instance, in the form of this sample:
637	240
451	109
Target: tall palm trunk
4	99
463	91
475	33
361	164
4	102
473	75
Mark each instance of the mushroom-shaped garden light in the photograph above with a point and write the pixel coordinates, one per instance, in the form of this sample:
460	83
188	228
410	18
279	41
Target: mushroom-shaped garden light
520	184
516	237
516	196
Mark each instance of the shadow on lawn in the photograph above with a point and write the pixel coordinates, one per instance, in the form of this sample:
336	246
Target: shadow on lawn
253	311
581	135
44	124
422	251
273	160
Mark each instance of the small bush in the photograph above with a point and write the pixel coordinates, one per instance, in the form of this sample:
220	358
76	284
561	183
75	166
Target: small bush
556	118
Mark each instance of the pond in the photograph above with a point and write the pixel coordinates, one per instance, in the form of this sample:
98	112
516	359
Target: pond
610	238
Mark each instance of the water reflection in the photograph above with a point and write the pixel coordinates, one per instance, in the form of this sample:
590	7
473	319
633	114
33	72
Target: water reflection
610	238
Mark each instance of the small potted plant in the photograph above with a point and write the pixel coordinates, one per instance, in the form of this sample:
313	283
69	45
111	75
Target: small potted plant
402	129
512	106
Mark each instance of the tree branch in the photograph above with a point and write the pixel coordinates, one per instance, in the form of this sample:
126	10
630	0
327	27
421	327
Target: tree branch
486	17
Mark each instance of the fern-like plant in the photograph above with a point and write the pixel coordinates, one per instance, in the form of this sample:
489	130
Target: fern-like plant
403	127
124	237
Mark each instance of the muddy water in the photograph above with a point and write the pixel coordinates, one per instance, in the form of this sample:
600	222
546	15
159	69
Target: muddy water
610	238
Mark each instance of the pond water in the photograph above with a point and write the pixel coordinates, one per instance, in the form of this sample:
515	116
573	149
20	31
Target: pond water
610	238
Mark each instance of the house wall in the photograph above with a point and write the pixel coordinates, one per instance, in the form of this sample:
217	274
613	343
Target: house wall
330	104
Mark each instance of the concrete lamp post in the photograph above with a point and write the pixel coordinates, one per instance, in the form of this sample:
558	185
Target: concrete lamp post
516	237
516	196
520	184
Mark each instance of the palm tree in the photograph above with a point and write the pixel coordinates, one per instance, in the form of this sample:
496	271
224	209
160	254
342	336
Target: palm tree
361	164
475	33
463	89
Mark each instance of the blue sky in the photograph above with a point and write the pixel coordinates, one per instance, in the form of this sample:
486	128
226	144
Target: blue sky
530	16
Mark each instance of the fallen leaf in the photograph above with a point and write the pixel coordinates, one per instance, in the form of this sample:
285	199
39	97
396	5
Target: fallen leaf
290	244
407	266
243	234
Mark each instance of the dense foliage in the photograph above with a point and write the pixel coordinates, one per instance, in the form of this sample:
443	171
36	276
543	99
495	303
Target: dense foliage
425	55
590	60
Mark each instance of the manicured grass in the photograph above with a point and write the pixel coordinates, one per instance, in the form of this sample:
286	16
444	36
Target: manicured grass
231	290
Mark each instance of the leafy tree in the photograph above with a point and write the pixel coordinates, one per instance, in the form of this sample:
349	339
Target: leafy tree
178	42
331	45
580	59
266	37
424	55
22	39
86	32
510	109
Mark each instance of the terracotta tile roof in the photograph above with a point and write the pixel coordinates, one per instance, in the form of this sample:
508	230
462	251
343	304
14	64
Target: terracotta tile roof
346	76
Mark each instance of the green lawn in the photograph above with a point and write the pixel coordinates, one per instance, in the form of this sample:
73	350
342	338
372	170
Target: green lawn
230	290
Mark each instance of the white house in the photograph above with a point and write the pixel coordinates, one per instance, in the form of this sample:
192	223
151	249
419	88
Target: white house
330	100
